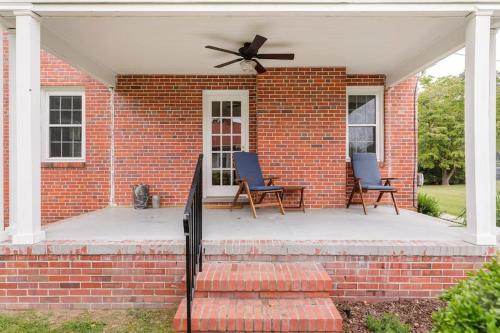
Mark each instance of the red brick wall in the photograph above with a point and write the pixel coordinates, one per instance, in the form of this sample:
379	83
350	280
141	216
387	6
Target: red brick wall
301	130
90	281
155	280
71	189
159	131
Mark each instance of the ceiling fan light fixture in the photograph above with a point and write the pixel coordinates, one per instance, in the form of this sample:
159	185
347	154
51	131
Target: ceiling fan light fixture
248	66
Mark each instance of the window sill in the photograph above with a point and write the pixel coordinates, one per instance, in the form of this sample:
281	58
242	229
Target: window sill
63	165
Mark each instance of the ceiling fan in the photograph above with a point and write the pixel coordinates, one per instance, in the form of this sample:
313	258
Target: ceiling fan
248	55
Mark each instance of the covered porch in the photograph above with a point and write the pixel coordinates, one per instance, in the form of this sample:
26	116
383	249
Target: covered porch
110	42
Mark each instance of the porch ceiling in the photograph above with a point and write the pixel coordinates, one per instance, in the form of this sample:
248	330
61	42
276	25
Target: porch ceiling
395	44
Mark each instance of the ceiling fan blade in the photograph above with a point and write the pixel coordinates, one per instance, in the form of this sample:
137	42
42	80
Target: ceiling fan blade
228	63
258	41
278	56
258	67
222	50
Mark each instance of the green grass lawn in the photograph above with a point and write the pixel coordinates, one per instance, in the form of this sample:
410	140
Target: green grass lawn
451	198
132	321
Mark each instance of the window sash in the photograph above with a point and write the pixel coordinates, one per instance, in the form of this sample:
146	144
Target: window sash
75	145
378	92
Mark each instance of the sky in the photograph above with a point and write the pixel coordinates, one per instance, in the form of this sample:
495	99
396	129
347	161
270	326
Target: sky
455	63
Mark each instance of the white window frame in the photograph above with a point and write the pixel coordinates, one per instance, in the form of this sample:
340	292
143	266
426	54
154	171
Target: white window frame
378	91
60	91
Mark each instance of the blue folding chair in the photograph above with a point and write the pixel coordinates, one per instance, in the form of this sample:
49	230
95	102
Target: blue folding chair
253	184
367	178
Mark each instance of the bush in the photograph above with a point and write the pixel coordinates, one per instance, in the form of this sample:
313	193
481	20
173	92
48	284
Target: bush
428	205
473	305
389	323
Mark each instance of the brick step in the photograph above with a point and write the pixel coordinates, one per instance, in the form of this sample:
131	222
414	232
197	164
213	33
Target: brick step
263	277
262	294
260	315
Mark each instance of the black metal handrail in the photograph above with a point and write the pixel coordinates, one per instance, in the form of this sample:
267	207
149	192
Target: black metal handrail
193	231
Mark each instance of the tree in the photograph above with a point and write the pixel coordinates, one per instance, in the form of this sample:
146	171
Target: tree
441	125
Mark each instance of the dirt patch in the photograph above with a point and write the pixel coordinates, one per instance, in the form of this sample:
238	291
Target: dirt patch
416	312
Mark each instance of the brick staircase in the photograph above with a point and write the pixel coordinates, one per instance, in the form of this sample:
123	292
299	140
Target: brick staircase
261	297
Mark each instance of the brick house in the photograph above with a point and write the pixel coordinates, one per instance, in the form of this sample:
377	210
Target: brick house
124	109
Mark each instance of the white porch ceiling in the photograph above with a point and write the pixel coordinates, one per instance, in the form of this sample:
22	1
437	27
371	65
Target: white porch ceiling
395	44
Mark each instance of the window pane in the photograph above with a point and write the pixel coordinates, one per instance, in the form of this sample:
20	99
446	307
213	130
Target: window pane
77	133
236	125
67	134
55	103
77	149
226	109
362	109
55	149
77	117
215	143
66	102
215	109
65	117
215	126
362	139
55	117
77	102
67	150
55	134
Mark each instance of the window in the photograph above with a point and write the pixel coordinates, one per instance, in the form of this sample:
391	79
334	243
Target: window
64	133
365	120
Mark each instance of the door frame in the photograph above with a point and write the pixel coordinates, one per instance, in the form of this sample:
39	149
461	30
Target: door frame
208	97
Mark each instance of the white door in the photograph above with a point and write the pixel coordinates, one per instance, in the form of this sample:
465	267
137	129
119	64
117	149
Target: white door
225	130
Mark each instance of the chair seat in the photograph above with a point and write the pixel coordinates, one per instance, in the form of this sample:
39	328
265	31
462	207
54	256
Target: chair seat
378	187
266	188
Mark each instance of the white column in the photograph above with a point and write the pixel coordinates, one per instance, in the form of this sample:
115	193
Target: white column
12	131
478	144
3	233
27	195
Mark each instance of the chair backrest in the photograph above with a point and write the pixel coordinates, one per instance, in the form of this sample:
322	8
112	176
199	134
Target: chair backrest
365	167
247	166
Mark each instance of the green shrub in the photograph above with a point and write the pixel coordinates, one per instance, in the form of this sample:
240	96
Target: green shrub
473	304
389	323
428	205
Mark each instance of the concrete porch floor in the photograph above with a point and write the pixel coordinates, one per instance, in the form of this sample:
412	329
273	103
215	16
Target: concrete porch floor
127	224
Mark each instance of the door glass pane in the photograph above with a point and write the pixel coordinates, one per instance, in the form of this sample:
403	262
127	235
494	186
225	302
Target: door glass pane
226	126
215	126
215	160
236	125
237	109
216	143
226	160
216	177
226	109
215	109
226	177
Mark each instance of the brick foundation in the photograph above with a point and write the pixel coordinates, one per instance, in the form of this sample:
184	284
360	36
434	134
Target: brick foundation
149	274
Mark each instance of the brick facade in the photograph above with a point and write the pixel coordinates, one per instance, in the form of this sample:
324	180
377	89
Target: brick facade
297	125
119	275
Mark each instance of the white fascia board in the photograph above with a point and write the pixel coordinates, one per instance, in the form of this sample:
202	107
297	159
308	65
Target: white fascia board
64	51
432	54
320	6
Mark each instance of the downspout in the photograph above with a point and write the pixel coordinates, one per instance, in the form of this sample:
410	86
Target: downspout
112	202
415	138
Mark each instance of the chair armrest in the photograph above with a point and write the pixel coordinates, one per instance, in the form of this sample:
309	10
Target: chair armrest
271	179
243	180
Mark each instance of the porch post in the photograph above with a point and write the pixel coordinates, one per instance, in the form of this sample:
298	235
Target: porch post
27	187
12	131
3	233
478	132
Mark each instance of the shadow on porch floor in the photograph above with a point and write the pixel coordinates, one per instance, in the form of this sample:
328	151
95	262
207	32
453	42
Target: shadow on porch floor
127	224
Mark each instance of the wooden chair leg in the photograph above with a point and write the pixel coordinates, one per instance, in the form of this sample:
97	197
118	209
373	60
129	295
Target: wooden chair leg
395	204
351	196
280	203
240	189
362	200
261	198
250	199
378	199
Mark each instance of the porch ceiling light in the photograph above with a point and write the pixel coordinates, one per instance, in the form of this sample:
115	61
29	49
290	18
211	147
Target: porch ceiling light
248	66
